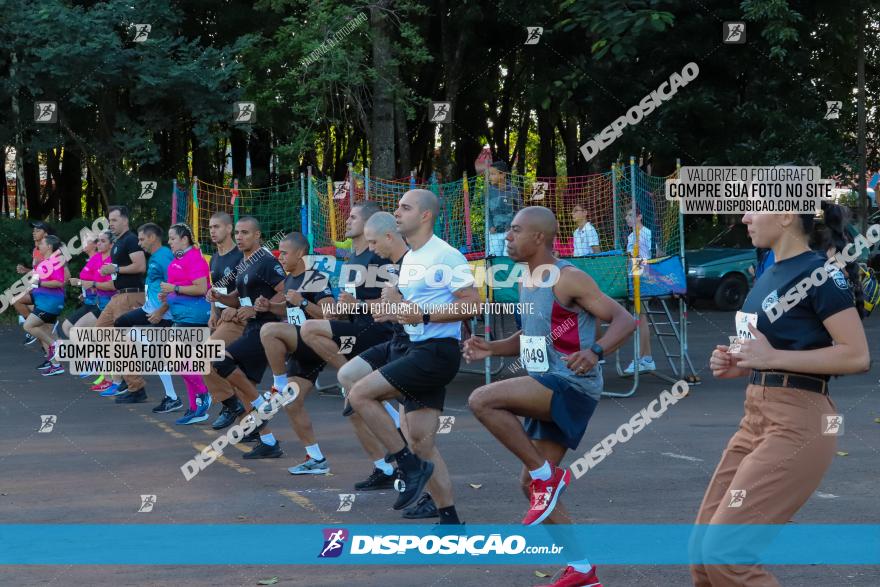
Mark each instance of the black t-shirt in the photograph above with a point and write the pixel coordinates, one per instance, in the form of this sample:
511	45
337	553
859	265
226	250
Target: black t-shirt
120	255
223	268
798	328
259	276
360	263
312	285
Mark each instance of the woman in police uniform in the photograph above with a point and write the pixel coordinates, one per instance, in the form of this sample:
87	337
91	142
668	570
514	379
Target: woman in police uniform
794	340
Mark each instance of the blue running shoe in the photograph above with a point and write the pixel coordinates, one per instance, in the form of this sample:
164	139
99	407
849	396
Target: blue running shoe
110	391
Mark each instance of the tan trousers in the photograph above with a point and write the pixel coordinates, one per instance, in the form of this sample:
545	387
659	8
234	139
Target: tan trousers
773	463
119	305
220	388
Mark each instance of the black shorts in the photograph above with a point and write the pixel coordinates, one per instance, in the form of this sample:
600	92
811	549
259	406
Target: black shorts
82	311
248	353
304	362
418	370
138	318
365	331
46	317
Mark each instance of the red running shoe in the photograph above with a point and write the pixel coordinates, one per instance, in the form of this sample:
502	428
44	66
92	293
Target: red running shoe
103	386
545	494
572	578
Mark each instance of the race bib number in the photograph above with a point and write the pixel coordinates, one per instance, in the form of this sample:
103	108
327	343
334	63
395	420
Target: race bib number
245	302
222	291
296	316
533	353
743	319
414	329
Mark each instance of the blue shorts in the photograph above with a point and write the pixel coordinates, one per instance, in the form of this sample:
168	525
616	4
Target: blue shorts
570	409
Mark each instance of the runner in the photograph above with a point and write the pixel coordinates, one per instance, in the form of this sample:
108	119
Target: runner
85	281
383	238
777	458
151	313
24	304
48	299
224	265
184	296
564	381
419	375
126	269
104	290
261	276
307	293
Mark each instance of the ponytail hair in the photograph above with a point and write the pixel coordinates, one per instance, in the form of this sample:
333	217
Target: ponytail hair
835	236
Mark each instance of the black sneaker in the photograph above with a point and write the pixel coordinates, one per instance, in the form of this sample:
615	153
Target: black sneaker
255	435
424	508
347	410
264	451
228	415
411	484
377	480
123	386
168	405
132	397
29	338
44	365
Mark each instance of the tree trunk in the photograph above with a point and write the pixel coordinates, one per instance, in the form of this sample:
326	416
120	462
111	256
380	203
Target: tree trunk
522	136
568	127
403	154
70	183
31	170
546	145
383	96
261	153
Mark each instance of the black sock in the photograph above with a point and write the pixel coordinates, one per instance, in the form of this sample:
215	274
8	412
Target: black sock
406	460
448	515
231	403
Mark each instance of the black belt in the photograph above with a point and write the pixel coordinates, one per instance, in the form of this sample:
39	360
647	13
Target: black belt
792	380
130	290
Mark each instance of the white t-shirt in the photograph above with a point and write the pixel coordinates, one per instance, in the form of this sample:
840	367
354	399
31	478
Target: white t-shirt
644	243
428	277
585	238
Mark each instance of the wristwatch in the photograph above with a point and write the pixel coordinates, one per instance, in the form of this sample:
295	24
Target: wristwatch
304	303
598	350
426	318
177	289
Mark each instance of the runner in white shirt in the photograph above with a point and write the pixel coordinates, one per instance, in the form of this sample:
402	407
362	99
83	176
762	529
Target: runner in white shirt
436	292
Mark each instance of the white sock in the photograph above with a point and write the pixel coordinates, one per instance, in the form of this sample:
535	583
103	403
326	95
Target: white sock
20	320
279	382
395	415
542	473
315	452
268	439
581	566
384	466
168	384
258	402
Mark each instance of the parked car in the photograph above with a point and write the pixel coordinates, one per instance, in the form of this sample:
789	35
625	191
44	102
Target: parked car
720	274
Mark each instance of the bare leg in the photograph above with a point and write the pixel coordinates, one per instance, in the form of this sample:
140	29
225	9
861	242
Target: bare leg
497	406
318	335
297	414
246	391
366	398
422	426
349	374
278	339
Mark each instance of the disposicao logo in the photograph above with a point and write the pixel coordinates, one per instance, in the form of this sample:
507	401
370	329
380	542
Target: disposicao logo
334	542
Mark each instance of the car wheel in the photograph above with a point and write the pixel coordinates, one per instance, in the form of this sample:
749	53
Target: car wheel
731	292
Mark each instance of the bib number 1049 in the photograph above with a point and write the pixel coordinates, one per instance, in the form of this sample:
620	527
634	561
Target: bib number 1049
533	353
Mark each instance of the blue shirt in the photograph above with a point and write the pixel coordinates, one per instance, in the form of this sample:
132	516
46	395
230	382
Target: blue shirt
503	204
157	272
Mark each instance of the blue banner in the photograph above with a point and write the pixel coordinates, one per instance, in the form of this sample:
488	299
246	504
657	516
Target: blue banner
294	544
